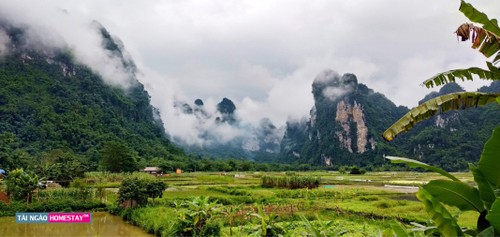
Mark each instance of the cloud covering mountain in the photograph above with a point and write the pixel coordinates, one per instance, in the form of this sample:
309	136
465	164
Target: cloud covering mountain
262	55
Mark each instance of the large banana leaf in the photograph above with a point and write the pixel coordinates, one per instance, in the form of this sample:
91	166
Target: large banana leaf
476	16
488	232
463	74
440	104
483	185
489	163
455	193
418	164
494	215
399	230
485	39
444	221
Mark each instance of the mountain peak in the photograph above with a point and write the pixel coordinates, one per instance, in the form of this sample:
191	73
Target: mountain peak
198	102
331	85
226	106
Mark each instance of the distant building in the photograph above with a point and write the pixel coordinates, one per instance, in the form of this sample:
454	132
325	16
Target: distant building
3	174
152	170
178	171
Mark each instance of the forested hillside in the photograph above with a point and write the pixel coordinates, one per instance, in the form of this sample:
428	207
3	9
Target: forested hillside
348	118
49	102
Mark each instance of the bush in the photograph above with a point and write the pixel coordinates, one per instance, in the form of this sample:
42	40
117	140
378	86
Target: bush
357	170
198	219
135	191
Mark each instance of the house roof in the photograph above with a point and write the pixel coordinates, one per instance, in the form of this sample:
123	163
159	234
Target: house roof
151	169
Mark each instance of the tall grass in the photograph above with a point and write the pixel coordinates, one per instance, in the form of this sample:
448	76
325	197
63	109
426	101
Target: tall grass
290	182
82	194
108	177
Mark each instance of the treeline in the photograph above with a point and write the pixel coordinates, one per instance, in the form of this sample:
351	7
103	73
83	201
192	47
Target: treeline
192	163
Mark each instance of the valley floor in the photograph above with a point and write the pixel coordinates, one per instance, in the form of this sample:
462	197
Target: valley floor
357	205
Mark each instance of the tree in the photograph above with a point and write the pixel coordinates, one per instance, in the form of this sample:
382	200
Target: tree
155	189
483	196
133	192
117	157
21	184
61	166
6	151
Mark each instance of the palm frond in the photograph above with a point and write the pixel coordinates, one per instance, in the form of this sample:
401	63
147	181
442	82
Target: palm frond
440	104
463	74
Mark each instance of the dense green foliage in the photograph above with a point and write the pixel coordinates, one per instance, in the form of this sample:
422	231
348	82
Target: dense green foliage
197	219
21	184
116	157
61	167
67	205
136	191
290	182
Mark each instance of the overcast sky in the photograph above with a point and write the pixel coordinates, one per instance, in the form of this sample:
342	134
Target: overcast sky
264	55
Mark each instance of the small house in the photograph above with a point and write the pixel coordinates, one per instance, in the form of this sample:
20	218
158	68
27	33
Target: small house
152	170
178	171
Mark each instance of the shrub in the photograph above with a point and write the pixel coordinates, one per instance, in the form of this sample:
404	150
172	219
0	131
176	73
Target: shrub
135	191
357	170
198	219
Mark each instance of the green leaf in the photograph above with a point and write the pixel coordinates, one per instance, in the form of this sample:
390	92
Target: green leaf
399	230
455	193
489	163
485	190
494	215
418	164
462	74
488	232
440	104
313	231
444	221
476	16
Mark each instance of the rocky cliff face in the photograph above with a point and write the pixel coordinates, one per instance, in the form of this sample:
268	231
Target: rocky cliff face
343	123
346	115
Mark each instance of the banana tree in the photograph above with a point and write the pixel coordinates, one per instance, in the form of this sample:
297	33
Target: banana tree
485	39
22	184
484	196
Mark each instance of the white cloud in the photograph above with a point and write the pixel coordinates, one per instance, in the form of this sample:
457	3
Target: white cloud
4	43
263	55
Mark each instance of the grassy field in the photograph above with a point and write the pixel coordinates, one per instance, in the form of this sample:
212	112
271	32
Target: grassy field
357	205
